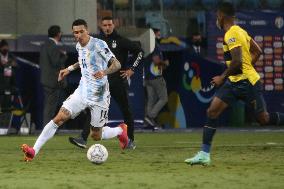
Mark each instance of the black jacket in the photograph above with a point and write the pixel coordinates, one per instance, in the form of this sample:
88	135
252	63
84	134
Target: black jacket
52	60
121	47
7	82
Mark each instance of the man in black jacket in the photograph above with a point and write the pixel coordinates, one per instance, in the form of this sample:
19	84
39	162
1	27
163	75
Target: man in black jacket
52	60
7	75
197	45
118	83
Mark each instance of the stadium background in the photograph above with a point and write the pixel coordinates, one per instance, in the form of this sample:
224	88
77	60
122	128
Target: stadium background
24	24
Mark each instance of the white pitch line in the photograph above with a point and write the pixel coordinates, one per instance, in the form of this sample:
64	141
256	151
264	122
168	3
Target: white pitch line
281	145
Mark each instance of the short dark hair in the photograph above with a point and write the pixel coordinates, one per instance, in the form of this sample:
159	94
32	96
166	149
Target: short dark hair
227	8
53	31
79	22
107	18
155	29
3	43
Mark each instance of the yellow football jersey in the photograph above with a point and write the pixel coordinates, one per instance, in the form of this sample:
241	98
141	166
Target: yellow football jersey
238	37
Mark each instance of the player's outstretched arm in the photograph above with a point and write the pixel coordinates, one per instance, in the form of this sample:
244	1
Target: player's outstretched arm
64	72
114	67
255	51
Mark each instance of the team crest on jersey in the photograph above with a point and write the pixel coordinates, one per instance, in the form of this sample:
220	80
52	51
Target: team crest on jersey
232	40
114	44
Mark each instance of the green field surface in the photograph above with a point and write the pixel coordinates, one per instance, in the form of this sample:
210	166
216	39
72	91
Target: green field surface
240	160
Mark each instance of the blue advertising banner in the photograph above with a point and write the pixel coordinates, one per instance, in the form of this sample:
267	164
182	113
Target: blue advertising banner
190	92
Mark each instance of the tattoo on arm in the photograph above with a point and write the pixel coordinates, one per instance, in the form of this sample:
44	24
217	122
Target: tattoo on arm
236	63
114	66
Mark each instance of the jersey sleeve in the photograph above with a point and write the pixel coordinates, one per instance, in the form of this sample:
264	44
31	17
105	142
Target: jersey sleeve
104	51
233	39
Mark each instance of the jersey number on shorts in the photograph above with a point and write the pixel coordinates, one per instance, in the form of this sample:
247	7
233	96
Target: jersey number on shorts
103	114
84	63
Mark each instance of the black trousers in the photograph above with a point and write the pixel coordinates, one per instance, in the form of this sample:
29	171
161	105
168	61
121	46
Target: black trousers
53	98
119	92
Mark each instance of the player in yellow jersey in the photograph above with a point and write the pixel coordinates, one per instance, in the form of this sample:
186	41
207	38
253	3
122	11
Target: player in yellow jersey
239	81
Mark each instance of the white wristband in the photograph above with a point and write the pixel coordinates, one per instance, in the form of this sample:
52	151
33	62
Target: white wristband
70	68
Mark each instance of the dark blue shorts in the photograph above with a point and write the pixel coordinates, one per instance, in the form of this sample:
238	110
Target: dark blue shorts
243	90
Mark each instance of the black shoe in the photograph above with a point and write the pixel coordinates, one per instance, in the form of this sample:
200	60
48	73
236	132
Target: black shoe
131	145
150	121
78	142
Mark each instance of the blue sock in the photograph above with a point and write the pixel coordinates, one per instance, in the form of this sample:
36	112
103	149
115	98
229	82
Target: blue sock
276	118
208	134
206	148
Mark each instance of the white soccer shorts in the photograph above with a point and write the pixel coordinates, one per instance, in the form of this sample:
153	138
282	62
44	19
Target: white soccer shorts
75	104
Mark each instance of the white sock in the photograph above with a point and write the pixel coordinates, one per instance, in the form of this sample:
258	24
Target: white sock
109	132
47	133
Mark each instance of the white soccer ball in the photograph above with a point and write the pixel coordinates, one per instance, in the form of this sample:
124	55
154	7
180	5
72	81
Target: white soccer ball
97	154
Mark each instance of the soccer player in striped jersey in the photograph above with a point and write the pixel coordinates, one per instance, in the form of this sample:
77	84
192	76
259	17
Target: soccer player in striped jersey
92	92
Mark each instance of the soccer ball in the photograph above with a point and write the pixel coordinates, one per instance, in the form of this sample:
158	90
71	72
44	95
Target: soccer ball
97	154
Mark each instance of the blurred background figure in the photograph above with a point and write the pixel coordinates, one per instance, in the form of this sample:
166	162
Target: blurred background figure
197	44
52	60
155	84
7	76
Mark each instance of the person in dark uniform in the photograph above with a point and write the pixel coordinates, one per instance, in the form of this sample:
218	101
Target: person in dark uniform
7	76
118	83
197	45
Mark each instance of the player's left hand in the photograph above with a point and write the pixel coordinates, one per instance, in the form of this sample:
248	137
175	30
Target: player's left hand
99	75
217	80
126	73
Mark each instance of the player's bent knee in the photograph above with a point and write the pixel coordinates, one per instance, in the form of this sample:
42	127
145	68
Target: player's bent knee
61	118
263	118
96	133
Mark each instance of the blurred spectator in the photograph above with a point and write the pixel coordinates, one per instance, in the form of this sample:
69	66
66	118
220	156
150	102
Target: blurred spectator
155	84
52	60
197	45
7	75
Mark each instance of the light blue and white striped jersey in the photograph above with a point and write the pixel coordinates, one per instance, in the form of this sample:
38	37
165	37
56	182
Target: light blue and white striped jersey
92	58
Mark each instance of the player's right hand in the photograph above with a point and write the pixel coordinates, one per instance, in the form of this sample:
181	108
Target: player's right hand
62	74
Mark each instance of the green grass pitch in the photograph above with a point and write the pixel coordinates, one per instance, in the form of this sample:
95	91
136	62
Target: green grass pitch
239	160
